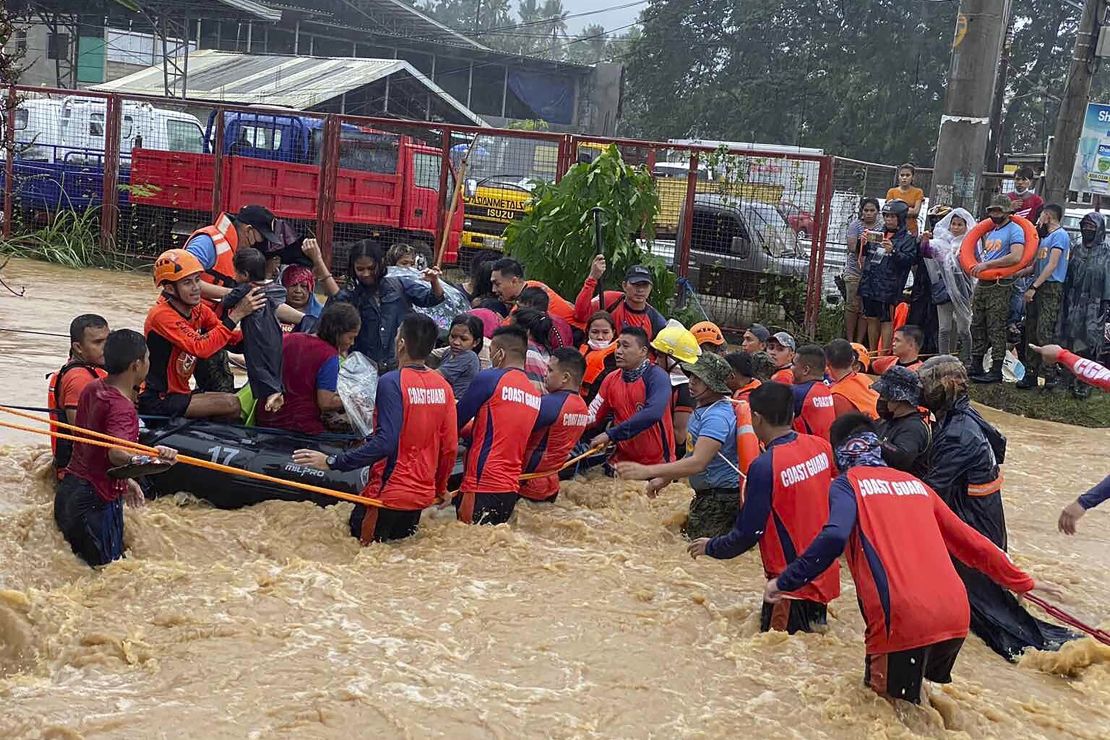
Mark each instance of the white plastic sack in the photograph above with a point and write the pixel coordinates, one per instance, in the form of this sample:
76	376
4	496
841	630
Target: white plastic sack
358	389
454	301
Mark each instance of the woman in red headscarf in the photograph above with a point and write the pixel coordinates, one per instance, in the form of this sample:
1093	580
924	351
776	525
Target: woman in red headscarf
299	285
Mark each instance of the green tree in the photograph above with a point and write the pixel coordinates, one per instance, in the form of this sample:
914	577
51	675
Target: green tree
591	46
555	238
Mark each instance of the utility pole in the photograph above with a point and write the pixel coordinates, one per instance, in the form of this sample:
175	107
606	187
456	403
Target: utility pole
965	124
1073	104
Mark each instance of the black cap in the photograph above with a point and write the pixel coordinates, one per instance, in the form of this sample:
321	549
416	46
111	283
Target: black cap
760	332
261	219
899	384
638	274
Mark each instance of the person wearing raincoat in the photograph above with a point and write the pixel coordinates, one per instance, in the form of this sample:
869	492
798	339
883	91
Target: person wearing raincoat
885	269
952	287
1085	308
962	465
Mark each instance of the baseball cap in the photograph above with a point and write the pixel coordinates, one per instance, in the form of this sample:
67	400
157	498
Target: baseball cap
760	332
899	384
712	370
785	340
638	274
261	219
1002	202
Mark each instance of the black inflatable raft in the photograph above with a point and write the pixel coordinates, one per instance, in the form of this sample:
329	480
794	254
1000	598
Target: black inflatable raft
267	451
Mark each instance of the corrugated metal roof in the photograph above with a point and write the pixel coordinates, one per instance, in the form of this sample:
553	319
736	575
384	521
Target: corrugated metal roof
300	83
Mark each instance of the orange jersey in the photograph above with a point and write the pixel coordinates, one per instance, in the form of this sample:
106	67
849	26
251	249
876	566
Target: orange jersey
176	341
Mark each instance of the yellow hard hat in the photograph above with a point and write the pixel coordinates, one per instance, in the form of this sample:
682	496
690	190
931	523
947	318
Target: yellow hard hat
676	340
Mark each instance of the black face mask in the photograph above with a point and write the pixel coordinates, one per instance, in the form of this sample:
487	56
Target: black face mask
883	409
998	220
1088	237
1042	230
933	398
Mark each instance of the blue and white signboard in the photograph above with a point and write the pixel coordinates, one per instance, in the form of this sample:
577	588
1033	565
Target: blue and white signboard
1092	161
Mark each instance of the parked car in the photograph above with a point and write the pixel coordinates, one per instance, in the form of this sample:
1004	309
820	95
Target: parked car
800	220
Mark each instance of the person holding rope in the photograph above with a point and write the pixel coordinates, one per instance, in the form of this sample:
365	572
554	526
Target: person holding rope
413	446
850	390
901	542
711	465
785	505
88	505
560	424
628	308
87	335
814	408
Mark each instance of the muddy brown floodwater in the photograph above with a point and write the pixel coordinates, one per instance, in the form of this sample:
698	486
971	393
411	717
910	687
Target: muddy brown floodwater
580	619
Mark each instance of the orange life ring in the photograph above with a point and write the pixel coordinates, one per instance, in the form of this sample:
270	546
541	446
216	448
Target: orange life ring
747	444
970	245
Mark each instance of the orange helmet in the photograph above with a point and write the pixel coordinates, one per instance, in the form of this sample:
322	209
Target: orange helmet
706	332
863	356
175	264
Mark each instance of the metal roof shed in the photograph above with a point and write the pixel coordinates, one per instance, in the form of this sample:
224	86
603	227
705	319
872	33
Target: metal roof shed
390	87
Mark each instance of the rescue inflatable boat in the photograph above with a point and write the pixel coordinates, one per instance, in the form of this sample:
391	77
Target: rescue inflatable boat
267	451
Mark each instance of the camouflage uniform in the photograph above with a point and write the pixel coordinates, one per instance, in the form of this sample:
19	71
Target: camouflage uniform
1040	322
990	310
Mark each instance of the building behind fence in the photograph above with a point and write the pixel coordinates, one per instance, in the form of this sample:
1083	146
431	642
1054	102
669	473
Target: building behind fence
756	234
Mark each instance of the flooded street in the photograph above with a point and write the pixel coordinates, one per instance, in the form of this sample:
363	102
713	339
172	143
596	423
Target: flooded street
585	618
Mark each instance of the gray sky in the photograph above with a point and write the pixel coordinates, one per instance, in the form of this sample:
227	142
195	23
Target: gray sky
610	19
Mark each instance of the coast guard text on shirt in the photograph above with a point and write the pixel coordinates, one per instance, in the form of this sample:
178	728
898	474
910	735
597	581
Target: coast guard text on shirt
516	395
427	396
875	486
797	473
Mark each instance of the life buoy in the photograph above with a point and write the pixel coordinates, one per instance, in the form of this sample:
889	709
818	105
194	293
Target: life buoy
970	245
747	444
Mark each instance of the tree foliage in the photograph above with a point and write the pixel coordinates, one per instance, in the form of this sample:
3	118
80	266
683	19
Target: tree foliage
555	238
861	78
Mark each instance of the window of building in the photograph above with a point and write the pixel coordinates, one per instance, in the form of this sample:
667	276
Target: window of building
184	136
57	46
20	42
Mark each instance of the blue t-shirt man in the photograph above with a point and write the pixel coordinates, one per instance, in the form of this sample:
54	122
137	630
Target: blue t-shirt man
1057	239
203	248
716	421
997	243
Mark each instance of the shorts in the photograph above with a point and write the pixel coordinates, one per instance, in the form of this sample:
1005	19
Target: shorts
793	615
378	524
899	675
877	310
92	526
713	512
170	405
851	293
485	508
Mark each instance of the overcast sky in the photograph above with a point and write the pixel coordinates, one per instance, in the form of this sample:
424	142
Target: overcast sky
610	19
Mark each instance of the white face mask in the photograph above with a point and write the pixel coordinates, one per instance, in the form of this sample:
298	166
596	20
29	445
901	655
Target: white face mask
598	344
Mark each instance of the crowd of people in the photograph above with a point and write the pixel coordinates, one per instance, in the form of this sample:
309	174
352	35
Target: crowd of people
979	310
795	449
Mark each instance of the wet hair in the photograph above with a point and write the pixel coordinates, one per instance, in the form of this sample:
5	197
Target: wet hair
508	267
336	320
943	381
473	325
635	331
123	347
913	333
512	339
536	323
741	363
774	402
533	297
907	166
420	333
1056	211
571	361
847	425
601	316
866	201
401	249
366	248
250	262
481	268
840	354
812	355
1024	173
85	321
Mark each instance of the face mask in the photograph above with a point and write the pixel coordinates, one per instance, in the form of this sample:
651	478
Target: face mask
1042	230
598	344
933	398
998	220
883	410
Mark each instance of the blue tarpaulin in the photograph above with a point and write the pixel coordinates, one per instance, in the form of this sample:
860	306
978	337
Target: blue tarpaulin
550	95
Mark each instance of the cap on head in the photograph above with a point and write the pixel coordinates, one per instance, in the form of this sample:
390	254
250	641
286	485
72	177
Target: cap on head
638	274
262	220
676	340
1001	202
712	370
783	340
706	332
862	355
896	208
175	264
760	332
899	384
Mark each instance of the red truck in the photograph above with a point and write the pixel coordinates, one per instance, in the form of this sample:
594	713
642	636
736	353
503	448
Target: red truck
387	185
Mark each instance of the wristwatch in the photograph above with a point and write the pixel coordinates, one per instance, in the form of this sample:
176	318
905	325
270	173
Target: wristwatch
331	462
